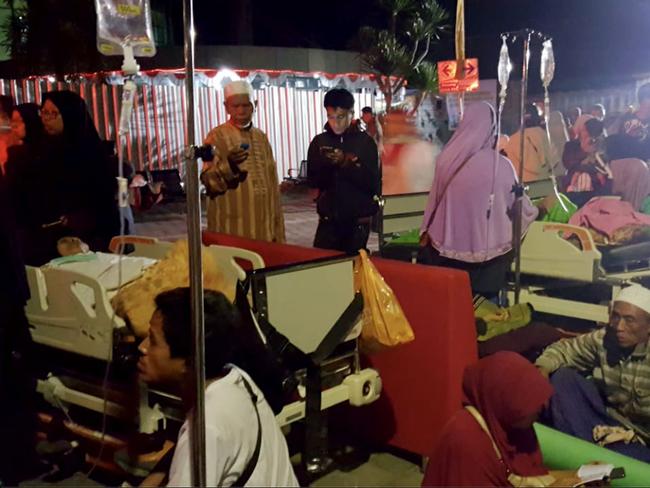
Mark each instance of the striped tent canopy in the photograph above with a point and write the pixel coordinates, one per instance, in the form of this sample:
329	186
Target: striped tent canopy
290	108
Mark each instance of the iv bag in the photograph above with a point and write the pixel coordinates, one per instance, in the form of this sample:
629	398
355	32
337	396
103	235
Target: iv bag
124	22
548	63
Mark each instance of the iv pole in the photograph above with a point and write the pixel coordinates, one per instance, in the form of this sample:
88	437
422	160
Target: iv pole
197	431
519	189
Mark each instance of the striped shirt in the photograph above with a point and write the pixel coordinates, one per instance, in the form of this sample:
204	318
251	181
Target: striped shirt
253	209
625	386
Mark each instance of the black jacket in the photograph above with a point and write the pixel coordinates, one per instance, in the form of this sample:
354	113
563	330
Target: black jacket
14	290
345	193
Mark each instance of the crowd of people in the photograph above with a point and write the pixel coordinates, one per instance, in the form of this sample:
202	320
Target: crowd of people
58	180
592	385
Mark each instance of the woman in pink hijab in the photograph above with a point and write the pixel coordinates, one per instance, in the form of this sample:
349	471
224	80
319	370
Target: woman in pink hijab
631	181
467	223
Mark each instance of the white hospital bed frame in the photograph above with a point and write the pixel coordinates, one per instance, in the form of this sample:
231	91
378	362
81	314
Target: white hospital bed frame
546	253
62	321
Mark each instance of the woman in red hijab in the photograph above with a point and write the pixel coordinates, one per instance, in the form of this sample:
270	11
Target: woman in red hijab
491	442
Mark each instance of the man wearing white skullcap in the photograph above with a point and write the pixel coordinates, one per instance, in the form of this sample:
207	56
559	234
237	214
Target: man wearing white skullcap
242	181
602	379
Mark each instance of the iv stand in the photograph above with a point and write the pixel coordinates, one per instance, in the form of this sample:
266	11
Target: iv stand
197	430
519	189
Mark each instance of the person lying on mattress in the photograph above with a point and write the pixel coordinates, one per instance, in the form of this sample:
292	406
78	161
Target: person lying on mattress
244	444
602	379
491	441
110	270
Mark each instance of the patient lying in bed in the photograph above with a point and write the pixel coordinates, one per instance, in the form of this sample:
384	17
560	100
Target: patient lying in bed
110	270
132	282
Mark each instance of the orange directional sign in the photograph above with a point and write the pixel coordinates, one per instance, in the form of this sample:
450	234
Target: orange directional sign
451	79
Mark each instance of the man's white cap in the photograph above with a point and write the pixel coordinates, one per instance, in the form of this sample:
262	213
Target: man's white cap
635	295
239	87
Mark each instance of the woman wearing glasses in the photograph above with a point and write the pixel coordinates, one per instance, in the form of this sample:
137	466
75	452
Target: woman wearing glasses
70	189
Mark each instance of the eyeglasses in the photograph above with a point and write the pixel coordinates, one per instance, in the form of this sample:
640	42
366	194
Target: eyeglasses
47	114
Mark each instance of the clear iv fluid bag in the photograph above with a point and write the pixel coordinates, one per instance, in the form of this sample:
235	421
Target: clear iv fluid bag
124	22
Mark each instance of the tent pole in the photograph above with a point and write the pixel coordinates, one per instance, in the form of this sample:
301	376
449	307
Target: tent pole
197	431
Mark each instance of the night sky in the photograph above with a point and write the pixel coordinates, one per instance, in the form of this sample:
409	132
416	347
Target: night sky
596	41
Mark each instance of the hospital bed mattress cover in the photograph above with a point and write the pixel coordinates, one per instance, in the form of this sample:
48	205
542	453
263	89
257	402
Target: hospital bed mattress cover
110	270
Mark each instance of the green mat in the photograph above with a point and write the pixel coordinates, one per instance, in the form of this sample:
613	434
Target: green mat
411	237
563	451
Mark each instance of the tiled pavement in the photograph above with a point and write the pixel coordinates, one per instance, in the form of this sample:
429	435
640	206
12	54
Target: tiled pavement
168	221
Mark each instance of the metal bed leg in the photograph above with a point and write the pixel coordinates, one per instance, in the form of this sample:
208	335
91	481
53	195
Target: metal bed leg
316	459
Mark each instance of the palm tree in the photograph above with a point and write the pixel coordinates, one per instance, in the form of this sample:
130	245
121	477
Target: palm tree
43	42
14	28
398	55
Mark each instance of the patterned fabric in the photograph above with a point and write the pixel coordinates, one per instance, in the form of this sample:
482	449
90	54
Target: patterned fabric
252	209
580	182
636	128
624	383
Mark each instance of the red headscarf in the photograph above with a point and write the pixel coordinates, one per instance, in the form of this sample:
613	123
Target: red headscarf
505	388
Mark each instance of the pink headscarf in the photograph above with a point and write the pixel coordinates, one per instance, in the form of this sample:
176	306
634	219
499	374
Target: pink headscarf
631	181
456	217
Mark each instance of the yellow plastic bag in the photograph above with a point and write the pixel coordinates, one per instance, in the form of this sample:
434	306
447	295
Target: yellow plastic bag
384	322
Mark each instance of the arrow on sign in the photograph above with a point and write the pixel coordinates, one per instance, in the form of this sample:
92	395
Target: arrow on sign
447	70
469	68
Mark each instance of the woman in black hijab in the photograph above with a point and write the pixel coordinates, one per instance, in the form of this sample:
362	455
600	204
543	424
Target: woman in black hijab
26	125
71	189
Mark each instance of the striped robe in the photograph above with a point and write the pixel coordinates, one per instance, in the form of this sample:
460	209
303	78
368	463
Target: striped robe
253	209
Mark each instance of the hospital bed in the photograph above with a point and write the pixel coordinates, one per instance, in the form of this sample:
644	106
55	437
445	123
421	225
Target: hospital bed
550	261
303	302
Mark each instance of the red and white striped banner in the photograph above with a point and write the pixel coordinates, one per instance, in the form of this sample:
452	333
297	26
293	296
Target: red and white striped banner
290	116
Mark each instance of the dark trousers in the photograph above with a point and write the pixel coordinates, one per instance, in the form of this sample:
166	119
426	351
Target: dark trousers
487	278
577	407
18	420
345	236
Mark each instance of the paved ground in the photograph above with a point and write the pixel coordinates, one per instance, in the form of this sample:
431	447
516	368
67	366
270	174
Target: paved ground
168	221
382	470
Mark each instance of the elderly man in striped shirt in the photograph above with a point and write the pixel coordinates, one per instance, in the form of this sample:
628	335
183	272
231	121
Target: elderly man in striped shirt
242	181
602	379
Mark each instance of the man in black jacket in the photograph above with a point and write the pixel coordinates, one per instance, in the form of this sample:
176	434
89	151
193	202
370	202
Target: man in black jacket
342	163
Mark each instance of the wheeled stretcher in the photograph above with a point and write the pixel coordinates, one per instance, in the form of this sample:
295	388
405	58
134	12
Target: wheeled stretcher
556	256
87	329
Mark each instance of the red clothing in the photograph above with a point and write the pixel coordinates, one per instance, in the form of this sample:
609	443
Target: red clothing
505	389
3	153
465	456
